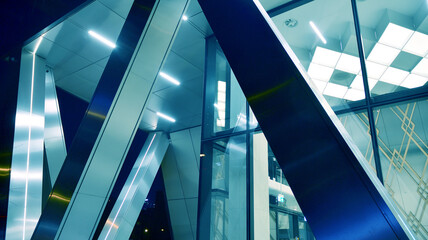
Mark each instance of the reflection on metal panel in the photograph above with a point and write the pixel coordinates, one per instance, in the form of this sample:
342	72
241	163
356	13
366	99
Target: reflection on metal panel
125	212
339	195
54	135
25	193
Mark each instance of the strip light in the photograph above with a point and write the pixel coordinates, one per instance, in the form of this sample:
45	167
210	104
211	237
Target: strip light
169	78
317	31
102	39
165	117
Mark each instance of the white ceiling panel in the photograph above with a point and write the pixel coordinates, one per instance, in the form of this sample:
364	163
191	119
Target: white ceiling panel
187	35
119	7
70	65
201	23
193	54
78	86
91	73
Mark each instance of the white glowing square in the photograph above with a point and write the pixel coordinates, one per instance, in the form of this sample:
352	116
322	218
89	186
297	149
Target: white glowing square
394	76
418	44
375	70
325	57
383	54
421	68
354	95
348	63
320	85
358	83
395	36
335	90
414	81
320	72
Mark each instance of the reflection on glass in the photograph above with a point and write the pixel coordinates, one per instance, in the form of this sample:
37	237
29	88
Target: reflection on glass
357	125
403	148
285	228
272	225
395	43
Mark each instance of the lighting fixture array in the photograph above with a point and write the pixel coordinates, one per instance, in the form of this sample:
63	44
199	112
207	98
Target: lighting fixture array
393	40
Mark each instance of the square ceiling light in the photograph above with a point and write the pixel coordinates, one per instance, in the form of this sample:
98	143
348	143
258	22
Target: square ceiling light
319	72
395	36
325	57
383	54
394	76
422	68
414	81
354	94
417	44
335	90
375	70
348	63
358	83
320	85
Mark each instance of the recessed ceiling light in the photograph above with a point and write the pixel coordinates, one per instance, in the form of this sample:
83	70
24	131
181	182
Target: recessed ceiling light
320	72
358	83
383	54
165	117
348	63
414	81
335	90
375	70
326	57
317	32
185	18
102	39
319	84
169	78
417	44
395	36
394	76
354	95
421	68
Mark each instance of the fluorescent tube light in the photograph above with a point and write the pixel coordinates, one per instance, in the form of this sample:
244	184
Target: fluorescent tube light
414	81
185	18
169	78
383	54
417	44
165	117
102	39
335	90
422	68
354	95
395	36
317	31
394	76
348	63
325	57
319	72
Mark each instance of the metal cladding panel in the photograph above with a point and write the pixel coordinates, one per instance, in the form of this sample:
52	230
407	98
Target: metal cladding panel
132	197
340	197
93	120
25	192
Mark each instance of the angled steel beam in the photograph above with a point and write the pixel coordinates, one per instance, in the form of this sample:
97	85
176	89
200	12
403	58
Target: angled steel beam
111	121
127	208
340	197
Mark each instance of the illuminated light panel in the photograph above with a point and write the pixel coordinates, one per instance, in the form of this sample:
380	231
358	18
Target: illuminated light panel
102	39
319	84
348	63
354	94
383	54
375	70
395	36
319	72
394	76
417	44
317	32
358	83
325	57
166	117
421	68
185	18
335	90
169	78
414	81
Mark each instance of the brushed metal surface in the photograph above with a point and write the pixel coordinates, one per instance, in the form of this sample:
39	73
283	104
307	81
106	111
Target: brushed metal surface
340	197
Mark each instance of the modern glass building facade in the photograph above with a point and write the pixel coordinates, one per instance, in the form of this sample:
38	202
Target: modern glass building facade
168	104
